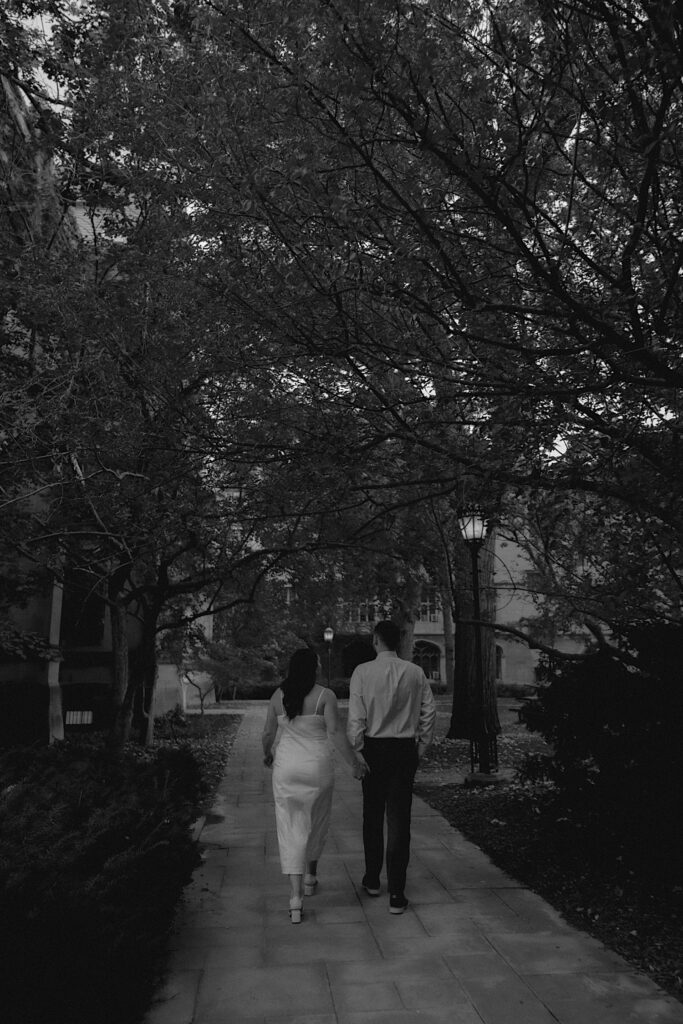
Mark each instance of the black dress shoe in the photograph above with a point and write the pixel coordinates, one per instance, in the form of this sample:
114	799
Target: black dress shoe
371	888
397	903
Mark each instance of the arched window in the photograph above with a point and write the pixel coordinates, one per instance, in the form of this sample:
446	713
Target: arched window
428	657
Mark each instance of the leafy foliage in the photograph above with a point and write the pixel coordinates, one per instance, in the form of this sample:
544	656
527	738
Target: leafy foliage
340	262
23	713
93	855
616	735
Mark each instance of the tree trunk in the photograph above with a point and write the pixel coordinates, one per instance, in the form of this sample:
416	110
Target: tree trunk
448	637
55	715
404	617
121	701
464	671
463	647
491	722
148	669
150	692
475	708
122	705
138	699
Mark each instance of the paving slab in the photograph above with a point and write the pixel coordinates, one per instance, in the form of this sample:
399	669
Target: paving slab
605	999
229	993
474	946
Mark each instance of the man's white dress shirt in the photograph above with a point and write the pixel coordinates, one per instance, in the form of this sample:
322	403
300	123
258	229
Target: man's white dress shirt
390	698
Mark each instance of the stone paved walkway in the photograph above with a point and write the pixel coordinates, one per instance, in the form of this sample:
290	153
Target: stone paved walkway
474	947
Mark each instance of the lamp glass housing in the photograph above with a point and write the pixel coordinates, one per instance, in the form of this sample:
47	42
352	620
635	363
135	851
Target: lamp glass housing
473	525
328	635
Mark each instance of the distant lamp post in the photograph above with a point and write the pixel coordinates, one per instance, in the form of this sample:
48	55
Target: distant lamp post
474	527
329	637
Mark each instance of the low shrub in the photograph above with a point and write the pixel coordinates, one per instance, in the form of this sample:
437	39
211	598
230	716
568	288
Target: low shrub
249	690
94	852
616	730
262	690
339	686
515	690
23	713
171	726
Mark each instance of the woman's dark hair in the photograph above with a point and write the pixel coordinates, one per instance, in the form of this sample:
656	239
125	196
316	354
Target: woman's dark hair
303	667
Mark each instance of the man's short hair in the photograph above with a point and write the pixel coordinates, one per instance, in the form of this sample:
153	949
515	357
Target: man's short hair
389	633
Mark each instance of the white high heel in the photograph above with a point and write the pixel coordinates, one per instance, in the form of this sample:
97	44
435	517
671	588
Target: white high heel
295	910
310	883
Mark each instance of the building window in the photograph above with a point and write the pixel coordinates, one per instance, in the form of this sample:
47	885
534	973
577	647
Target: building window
366	611
430	606
78	718
428	657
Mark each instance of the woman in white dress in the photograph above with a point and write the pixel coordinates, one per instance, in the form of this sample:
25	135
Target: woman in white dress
305	716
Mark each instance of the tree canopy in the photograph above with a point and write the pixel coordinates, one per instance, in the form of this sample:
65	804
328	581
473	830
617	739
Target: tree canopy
347	259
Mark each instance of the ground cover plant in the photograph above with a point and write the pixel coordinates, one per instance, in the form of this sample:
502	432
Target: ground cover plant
209	737
635	911
95	849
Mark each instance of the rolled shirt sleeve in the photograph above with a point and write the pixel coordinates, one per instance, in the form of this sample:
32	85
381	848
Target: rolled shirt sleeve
357	720
427	723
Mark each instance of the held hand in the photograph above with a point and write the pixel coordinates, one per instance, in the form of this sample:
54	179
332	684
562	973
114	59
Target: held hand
360	768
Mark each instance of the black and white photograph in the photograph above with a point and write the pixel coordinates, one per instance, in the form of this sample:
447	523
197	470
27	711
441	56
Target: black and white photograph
341	511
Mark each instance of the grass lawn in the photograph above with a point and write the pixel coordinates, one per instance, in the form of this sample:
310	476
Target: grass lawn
635	916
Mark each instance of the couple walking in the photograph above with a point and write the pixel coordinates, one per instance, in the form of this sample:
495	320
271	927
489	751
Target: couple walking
390	724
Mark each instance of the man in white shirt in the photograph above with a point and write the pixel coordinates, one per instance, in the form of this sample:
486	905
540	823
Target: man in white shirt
392	715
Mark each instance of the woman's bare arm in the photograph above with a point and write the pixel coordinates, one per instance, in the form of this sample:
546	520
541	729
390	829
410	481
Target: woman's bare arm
269	732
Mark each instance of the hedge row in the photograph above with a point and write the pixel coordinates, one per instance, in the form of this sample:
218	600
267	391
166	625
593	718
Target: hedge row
250	690
94	852
264	691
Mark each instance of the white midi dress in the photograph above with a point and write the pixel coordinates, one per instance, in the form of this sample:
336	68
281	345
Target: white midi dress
303	782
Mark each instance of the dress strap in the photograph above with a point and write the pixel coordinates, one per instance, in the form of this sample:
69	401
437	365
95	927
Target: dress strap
318	701
282	701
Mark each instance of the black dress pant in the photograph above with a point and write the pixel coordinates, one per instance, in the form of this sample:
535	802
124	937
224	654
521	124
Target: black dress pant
388	791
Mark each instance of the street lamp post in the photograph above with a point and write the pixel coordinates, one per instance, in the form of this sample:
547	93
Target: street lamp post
483	743
329	637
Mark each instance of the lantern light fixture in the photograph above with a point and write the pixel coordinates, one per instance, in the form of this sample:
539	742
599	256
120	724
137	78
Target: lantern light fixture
328	635
474	525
